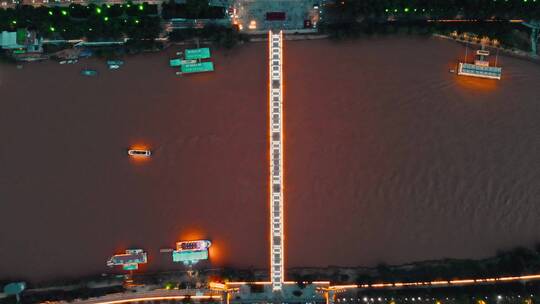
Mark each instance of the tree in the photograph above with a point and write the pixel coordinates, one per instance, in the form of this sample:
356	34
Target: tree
196	8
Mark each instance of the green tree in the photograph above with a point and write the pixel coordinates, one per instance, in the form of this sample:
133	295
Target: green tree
196	8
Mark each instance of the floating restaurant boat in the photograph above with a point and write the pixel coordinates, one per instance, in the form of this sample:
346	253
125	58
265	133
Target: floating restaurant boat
197	67
129	260
480	68
191	252
195	54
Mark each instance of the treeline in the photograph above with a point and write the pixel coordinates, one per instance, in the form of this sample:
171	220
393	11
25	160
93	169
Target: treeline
514	262
353	18
192	9
518	261
509	35
219	35
342	10
93	22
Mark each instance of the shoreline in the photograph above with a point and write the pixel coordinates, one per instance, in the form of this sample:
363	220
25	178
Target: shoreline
513	53
444	268
296	36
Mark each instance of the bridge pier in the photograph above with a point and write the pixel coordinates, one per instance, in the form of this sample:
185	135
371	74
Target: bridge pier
330	296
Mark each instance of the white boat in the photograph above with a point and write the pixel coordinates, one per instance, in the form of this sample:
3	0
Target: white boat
481	67
139	152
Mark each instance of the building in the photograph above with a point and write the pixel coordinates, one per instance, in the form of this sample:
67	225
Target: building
21	41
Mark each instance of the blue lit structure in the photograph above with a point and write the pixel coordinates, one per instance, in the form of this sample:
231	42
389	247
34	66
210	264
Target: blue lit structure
129	260
191	252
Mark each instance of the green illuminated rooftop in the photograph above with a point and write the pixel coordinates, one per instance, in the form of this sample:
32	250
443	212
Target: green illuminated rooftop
202	53
197	67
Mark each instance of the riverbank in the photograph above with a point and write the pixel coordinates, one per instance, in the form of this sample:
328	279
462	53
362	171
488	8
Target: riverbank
516	262
506	51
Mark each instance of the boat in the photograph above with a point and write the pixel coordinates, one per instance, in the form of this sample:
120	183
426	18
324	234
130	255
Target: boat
113	67
481	67
191	252
89	72
129	260
115	62
176	62
139	152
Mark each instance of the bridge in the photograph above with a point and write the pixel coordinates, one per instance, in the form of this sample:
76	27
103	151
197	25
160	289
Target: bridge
275	78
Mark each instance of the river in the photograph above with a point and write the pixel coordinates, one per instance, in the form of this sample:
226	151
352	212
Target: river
388	158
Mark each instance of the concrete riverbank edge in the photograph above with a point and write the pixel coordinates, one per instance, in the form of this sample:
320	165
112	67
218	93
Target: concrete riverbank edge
510	52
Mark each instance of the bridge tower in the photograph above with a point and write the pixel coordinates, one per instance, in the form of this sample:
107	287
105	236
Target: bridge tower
276	181
534	25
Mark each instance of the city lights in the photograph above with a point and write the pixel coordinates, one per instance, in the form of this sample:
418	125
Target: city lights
252	25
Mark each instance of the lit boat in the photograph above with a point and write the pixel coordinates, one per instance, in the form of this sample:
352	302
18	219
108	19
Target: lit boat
89	73
480	68
129	260
139	152
115	62
193	245
191	252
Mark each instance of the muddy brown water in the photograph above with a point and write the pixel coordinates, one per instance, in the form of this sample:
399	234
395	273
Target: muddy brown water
388	157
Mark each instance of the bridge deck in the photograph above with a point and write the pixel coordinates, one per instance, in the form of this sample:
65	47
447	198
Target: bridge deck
275	61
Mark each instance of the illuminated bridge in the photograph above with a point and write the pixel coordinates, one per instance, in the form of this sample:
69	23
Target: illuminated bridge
275	62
